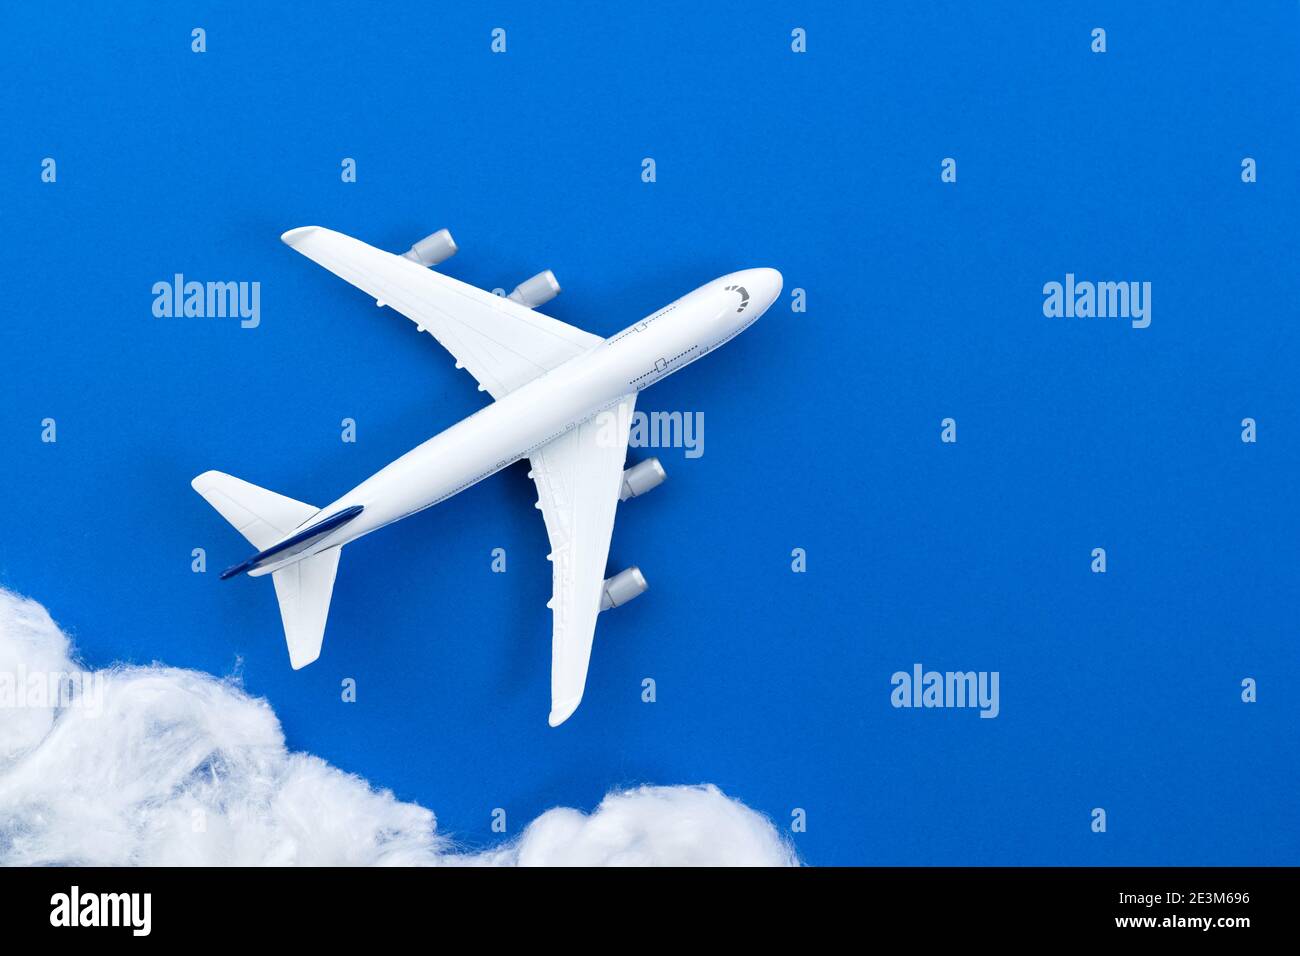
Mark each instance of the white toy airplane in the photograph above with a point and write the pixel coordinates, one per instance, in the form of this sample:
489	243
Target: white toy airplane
550	382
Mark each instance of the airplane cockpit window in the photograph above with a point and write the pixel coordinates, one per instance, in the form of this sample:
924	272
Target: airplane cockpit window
744	295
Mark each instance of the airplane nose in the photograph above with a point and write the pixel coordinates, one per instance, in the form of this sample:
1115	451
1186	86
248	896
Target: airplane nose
767	286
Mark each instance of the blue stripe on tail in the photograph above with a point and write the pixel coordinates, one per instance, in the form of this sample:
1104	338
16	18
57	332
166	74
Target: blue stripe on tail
304	538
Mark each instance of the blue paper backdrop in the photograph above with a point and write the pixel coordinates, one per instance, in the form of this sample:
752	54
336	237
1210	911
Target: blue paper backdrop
924	301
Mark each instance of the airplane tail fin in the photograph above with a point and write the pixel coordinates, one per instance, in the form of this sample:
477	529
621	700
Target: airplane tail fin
303	588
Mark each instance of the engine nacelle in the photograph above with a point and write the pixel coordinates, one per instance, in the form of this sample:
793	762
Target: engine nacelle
538	290
622	588
433	249
642	477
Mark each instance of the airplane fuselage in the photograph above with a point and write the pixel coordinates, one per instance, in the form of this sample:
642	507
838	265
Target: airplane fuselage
517	424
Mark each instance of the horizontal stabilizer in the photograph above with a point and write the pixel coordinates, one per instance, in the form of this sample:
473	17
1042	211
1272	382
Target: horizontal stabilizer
303	590
304	587
261	516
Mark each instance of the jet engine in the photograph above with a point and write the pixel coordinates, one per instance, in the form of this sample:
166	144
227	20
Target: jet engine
641	478
538	290
622	587
433	249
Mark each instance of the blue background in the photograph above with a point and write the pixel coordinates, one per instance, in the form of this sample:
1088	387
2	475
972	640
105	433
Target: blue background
822	429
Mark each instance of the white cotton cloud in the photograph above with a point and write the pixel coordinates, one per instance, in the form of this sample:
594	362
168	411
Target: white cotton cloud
651	826
163	766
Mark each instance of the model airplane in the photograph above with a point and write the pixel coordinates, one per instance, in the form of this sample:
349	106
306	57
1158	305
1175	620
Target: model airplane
550	382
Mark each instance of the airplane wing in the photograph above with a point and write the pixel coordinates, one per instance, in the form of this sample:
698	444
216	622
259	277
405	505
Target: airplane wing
503	344
579	476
